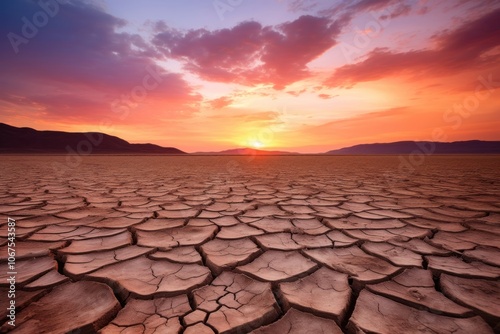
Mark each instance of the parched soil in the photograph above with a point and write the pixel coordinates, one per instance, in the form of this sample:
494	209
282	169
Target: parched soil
308	244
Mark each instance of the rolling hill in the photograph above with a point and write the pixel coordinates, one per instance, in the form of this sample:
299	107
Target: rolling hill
408	147
27	140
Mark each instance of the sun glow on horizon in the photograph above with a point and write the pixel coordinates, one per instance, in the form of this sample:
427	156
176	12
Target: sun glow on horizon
255	143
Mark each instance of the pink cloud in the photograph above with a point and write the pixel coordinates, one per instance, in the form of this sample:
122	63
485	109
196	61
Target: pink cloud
464	48
250	53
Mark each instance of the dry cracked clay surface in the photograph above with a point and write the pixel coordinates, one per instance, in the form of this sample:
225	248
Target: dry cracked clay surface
306	244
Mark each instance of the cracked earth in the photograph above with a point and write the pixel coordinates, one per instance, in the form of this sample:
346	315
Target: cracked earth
252	245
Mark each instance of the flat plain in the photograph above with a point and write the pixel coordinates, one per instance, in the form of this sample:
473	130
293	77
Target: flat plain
260	244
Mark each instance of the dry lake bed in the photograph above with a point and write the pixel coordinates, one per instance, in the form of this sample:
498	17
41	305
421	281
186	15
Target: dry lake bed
307	244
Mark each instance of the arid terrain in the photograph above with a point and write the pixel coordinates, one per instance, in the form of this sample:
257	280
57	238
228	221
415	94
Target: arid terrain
305	244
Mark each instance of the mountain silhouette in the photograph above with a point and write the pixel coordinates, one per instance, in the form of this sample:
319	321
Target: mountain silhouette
426	147
27	140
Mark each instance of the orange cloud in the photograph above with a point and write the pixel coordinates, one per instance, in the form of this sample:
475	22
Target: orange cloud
220	102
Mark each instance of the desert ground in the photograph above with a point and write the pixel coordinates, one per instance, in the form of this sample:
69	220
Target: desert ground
308	244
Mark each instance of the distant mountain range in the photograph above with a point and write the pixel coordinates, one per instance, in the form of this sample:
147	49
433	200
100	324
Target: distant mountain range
245	151
29	141
409	147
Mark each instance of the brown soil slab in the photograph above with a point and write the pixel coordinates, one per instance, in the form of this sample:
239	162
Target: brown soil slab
186	254
21	232
195	317
324	293
69	307
416	288
362	267
297	209
117	222
200	222
273	225
396	255
176	206
478	237
181	236
376	314
453	241
48	280
435	225
341	240
85	221
312	241
225	221
278	241
65	232
27	270
98	244
266	211
23	298
490	226
159	315
481	295
389	234
356	207
331	212
237	303
208	214
277	266
419	246
464	204
455	266
76	265
226	254
309	226
30	249
18	210
354	222
144	278
297	322
452	212
89	211
159	224
183	214
238	231
390	214
488	255
428	214
199	328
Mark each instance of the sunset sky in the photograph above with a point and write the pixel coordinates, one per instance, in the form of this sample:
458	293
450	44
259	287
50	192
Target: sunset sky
297	75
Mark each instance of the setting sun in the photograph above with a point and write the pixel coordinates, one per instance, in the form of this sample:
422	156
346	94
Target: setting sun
256	144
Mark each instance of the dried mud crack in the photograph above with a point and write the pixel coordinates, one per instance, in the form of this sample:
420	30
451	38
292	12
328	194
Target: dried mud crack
284	246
